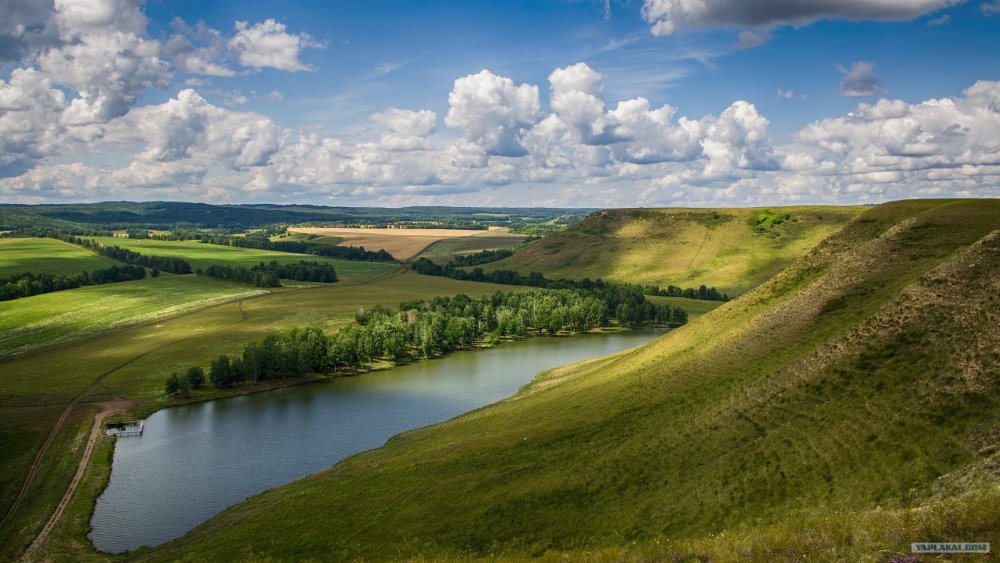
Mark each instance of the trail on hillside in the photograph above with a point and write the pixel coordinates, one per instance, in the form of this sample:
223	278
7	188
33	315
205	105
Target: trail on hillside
107	409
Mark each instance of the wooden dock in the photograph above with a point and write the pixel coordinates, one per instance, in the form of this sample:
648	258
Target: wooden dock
122	429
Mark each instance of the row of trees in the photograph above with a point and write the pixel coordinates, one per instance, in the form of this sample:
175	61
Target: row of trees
269	275
160	263
424	329
481	257
28	283
262	240
703	293
536	279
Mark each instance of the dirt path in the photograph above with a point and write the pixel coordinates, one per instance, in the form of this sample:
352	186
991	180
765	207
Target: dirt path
107	408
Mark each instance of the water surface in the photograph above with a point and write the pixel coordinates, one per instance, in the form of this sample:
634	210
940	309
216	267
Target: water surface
194	461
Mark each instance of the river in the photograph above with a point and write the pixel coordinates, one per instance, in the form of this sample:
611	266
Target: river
194	461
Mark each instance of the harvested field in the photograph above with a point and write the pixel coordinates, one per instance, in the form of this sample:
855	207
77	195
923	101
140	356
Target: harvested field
401	243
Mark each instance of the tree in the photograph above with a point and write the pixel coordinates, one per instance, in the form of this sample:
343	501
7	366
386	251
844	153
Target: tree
195	377
173	384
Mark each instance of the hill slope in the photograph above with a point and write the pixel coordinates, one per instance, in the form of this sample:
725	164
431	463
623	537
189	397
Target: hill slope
684	247
856	377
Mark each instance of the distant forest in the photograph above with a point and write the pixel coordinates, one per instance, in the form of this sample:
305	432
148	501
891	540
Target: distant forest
82	218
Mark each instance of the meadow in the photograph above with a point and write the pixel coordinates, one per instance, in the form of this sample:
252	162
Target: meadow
859	383
201	255
683	247
401	243
47	256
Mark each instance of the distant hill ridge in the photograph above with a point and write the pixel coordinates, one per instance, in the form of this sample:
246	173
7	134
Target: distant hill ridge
845	408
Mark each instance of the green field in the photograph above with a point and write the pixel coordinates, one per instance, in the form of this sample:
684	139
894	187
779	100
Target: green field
201	255
47	256
447	249
682	247
840	411
42	321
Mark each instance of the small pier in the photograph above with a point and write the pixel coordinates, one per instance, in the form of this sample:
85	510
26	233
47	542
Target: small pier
122	429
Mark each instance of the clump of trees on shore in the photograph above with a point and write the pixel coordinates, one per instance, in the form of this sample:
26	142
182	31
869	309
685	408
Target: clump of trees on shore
430	328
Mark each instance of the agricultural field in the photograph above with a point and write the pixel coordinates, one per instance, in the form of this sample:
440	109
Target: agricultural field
401	243
34	323
47	256
447	249
845	408
201	255
683	247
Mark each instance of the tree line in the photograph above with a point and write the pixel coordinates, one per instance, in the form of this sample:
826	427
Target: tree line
536	279
429	328
269	275
159	263
28	283
261	240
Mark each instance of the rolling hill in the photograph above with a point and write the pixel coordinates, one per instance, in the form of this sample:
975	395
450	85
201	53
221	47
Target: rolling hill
843	409
731	249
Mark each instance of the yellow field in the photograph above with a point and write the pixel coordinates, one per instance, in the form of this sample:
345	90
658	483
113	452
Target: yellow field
401	243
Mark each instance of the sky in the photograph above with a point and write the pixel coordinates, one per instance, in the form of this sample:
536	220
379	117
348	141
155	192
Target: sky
567	103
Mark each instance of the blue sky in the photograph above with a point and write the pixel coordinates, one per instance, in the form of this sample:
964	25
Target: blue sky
551	102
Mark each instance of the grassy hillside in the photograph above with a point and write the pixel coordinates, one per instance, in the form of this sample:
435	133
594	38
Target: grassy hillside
47	256
731	249
863	380
448	249
201	255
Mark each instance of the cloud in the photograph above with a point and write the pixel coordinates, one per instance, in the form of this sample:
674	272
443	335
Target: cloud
405	130
666	16
268	45
29	124
939	21
860	80
189	128
493	112
784	94
990	8
750	39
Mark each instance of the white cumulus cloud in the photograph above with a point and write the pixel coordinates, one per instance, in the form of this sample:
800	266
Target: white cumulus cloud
493	112
268	45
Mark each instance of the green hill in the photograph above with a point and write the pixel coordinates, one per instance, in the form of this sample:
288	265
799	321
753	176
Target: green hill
840	411
731	249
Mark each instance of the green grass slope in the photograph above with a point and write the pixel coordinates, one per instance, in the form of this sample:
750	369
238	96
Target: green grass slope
47	256
683	247
201	255
857	381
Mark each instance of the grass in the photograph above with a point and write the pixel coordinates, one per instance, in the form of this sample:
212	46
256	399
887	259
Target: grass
200	255
862	379
447	249
47	256
684	247
401	243
34	323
